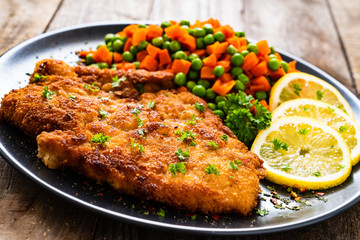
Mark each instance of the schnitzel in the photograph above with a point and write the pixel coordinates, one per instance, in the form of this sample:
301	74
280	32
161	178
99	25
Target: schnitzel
162	145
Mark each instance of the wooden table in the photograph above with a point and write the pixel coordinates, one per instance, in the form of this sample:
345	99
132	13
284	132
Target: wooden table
326	33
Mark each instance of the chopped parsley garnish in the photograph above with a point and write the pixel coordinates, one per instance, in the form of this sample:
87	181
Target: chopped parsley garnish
305	109
185	135
142	133
177	167
286	167
297	89
182	155
278	144
303	131
103	113
140	88
243	121
161	213
100	138
140	147
319	94
72	97
331	109
193	120
233	165
317	174
152	104
211	169
213	145
47	93
341	167
224	137
92	87
38	77
342	128
199	106
136	111
193	144
262	213
117	80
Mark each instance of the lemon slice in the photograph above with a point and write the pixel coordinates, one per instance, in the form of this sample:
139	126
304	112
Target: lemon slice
303	85
328	114
304	153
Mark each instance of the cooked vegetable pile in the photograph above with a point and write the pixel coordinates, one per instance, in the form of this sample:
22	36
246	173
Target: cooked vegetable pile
211	60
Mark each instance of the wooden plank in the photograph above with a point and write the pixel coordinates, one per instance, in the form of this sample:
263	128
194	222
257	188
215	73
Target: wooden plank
302	28
20	20
347	19
73	12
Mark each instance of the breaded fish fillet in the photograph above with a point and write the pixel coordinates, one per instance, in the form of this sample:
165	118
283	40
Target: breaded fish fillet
157	147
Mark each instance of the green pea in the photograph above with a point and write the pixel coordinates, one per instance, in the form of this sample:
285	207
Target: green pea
244	53
94	65
239	86
137	64
221	105
118	45
89	59
193	74
243	78
190	85
240	34
157	42
133	50
272	49
219	36
231	50
113	67
124	39
180	79
253	48
108	37
180	55
184	22
103	65
109	45
273	64
115	37
142	45
199	32
208	28
199	90
190	31
261	95
220	98
165	37
192	57
235	71
237	59
175	46
272	56
285	66
165	24
212	106
209	39
200	43
128	57
166	45
196	64
210	95
220	113
219	71
204	83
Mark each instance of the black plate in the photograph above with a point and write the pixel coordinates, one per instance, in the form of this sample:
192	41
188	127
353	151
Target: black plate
21	153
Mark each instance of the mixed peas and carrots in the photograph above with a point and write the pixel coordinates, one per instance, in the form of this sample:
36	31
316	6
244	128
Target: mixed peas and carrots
209	59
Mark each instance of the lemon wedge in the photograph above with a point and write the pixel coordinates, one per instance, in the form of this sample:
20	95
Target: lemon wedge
327	114
303	85
304	153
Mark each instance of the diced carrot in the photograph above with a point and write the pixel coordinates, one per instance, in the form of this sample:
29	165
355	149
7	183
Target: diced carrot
250	61
152	50
263	47
264	58
257	88
260	69
200	52
207	72
222	88
102	54
265	104
83	54
149	63
197	23
210	61
225	65
214	22
227	31
277	74
154	31
117	57
261	81
187	41
226	57
243	41
129	30
243	48
226	77
181	65
175	31
181	89
128	44
126	66
235	41
292	67
164	57
139	35
121	34
141	55
217	48
172	22
278	56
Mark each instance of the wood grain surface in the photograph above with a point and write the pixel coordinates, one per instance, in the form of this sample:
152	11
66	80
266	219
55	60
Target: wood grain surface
324	32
